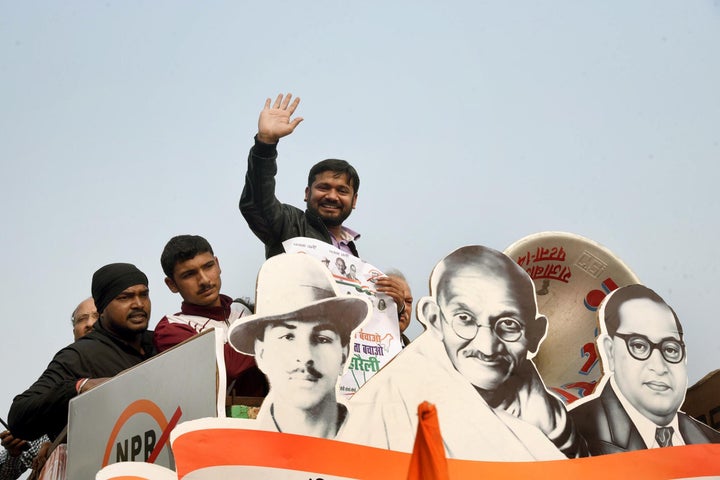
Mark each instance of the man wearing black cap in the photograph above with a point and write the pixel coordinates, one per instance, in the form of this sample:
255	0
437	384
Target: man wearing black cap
119	340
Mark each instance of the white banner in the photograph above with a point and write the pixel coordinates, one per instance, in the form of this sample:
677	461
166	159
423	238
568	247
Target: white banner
378	340
129	418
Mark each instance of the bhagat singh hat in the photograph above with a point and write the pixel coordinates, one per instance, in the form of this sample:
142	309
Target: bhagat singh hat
109	281
296	286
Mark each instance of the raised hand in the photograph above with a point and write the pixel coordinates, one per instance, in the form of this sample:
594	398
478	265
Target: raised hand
274	122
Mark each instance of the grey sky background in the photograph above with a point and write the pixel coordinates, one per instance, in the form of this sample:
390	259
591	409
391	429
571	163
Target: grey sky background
123	124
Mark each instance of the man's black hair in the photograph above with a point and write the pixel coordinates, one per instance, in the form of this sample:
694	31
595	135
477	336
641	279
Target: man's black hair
336	166
631	292
180	249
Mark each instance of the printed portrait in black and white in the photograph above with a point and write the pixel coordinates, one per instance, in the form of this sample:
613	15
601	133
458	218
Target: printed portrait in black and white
474	363
300	337
636	405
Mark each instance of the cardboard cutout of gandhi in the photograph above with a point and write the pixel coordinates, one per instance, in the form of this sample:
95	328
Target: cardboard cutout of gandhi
474	363
300	336
635	406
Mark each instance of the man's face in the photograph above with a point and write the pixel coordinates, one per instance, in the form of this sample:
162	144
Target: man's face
331	197
654	386
340	264
197	280
128	313
405	316
84	318
486	360
302	361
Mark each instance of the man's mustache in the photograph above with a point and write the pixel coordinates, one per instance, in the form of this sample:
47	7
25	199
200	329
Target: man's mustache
205	288
471	352
309	369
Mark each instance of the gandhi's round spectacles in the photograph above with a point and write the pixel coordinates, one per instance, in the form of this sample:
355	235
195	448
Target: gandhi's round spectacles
506	328
640	347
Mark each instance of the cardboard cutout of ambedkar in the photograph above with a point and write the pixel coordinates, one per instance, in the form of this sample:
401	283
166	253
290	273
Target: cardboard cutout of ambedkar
474	364
636	405
300	336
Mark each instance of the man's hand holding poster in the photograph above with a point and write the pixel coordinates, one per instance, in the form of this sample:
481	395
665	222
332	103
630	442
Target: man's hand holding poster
378	340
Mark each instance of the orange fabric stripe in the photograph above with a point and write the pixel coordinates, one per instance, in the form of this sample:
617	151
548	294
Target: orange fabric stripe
206	448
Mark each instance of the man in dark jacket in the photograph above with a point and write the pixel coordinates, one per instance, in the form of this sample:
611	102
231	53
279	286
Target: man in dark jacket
330	195
120	339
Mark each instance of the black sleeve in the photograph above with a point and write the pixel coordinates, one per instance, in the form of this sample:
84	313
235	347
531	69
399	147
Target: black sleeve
43	408
263	212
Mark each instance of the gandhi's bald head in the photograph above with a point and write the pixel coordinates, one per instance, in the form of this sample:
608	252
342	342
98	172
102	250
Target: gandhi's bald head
480	261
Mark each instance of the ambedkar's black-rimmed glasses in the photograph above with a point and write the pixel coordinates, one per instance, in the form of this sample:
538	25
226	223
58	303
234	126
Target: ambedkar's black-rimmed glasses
640	347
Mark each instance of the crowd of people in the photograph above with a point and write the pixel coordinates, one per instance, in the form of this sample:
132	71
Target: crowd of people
111	328
473	361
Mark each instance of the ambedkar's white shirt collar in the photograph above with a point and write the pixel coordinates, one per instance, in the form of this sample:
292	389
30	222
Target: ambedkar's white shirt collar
645	426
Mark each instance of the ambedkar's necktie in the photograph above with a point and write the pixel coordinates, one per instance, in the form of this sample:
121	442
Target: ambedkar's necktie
663	436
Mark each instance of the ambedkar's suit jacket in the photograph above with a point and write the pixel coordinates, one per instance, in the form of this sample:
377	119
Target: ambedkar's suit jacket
607	427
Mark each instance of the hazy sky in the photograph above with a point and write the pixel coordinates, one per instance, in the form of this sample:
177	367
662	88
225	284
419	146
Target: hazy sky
124	123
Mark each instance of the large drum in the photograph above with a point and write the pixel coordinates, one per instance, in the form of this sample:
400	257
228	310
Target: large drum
572	276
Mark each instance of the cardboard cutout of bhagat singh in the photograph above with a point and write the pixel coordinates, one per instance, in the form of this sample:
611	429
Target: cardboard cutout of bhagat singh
300	337
473	364
635	406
